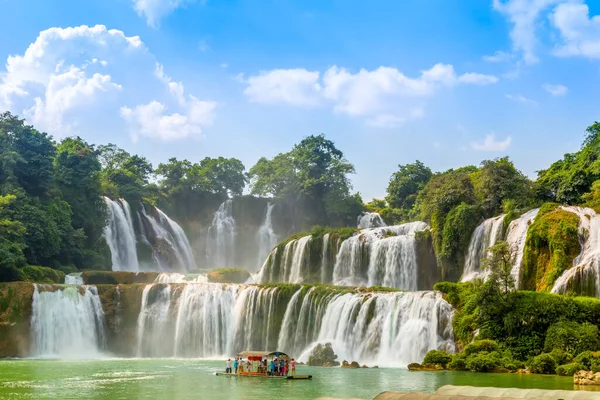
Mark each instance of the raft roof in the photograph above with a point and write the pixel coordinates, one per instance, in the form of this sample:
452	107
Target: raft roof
264	353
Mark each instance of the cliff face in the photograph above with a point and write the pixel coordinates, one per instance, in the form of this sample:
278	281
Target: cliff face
15	314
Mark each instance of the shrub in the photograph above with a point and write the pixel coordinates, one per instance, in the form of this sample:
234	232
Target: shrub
458	363
561	357
228	275
43	274
543	364
569	369
572	337
483	361
437	357
11	274
481	345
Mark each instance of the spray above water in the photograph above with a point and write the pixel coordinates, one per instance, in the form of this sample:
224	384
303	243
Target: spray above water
370	220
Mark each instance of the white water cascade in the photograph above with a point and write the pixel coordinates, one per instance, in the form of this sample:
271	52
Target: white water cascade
485	236
67	323
586	266
516	235
267	239
120	236
370	220
212	320
220	244
164	229
292	266
379	256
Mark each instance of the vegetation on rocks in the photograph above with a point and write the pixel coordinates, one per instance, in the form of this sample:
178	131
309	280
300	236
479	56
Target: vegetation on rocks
323	356
228	275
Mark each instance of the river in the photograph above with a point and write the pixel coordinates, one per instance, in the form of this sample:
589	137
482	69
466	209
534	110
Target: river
194	379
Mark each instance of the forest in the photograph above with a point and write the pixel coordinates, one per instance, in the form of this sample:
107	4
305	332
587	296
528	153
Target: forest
52	215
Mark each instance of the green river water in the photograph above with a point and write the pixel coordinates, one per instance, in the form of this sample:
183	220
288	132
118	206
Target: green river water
194	379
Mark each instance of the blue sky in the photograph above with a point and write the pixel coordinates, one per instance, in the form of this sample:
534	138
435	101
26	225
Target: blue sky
448	82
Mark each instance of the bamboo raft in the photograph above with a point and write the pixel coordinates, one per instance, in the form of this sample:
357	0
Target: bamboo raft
257	356
255	375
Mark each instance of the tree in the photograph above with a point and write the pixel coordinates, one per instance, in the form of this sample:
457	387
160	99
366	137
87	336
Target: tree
498	180
499	263
77	174
124	175
406	183
12	240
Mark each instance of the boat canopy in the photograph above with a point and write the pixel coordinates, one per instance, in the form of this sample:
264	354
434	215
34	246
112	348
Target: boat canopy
262	354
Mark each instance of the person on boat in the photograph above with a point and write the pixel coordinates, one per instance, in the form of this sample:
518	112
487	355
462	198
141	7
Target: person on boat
241	366
249	366
293	367
272	367
235	365
228	369
285	368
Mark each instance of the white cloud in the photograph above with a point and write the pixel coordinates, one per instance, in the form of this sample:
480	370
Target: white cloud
519	98
298	87
580	34
224	65
524	16
477	79
491	144
203	46
384	96
43	86
155	10
555	90
498	56
69	76
151	119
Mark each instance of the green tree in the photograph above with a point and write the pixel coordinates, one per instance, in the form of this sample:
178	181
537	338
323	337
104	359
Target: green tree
12	242
498	180
406	183
124	175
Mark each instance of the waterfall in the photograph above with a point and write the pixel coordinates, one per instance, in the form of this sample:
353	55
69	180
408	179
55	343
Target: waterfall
266	236
220	244
325	259
120	236
211	320
370	220
162	229
585	273
67	322
516	236
485	236
74	279
379	256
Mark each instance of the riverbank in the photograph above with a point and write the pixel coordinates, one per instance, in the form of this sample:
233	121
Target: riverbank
182	379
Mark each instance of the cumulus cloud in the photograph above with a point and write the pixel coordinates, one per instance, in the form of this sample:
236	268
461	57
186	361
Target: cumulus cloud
152	120
155	10
385	97
579	32
524	16
519	98
498	56
555	90
69	76
44	87
491	144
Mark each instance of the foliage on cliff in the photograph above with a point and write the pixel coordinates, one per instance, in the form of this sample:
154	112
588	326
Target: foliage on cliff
228	275
551	245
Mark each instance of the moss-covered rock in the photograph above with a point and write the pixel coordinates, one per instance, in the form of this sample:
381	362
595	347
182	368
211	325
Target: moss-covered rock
551	246
117	277
228	275
16	299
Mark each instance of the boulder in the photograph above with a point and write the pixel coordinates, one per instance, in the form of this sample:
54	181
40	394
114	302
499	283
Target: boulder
586	378
321	355
353	364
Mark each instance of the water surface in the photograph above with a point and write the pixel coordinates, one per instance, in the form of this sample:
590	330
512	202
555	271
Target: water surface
194	379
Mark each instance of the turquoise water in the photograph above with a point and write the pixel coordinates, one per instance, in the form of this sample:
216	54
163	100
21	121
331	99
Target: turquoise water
193	379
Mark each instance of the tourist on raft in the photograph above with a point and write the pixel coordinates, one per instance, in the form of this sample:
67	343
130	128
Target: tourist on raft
228	369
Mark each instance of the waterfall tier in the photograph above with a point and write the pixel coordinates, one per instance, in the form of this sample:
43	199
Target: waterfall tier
165	240
372	257
67	322
485	236
220	245
267	239
370	220
211	320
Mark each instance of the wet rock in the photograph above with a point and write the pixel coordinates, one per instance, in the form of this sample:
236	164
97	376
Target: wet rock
424	367
586	378
321	355
353	364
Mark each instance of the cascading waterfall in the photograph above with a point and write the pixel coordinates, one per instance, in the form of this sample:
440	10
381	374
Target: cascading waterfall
67	322
267	239
324	258
485	236
516	236
379	256
120	236
163	229
220	244
210	320
370	220
74	279
585	273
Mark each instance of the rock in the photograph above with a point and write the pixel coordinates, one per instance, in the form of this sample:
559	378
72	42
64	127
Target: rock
523	371
424	367
586	378
364	366
414	367
331	364
375	366
353	364
321	355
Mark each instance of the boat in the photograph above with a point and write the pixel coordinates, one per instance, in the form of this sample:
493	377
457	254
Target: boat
257	370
